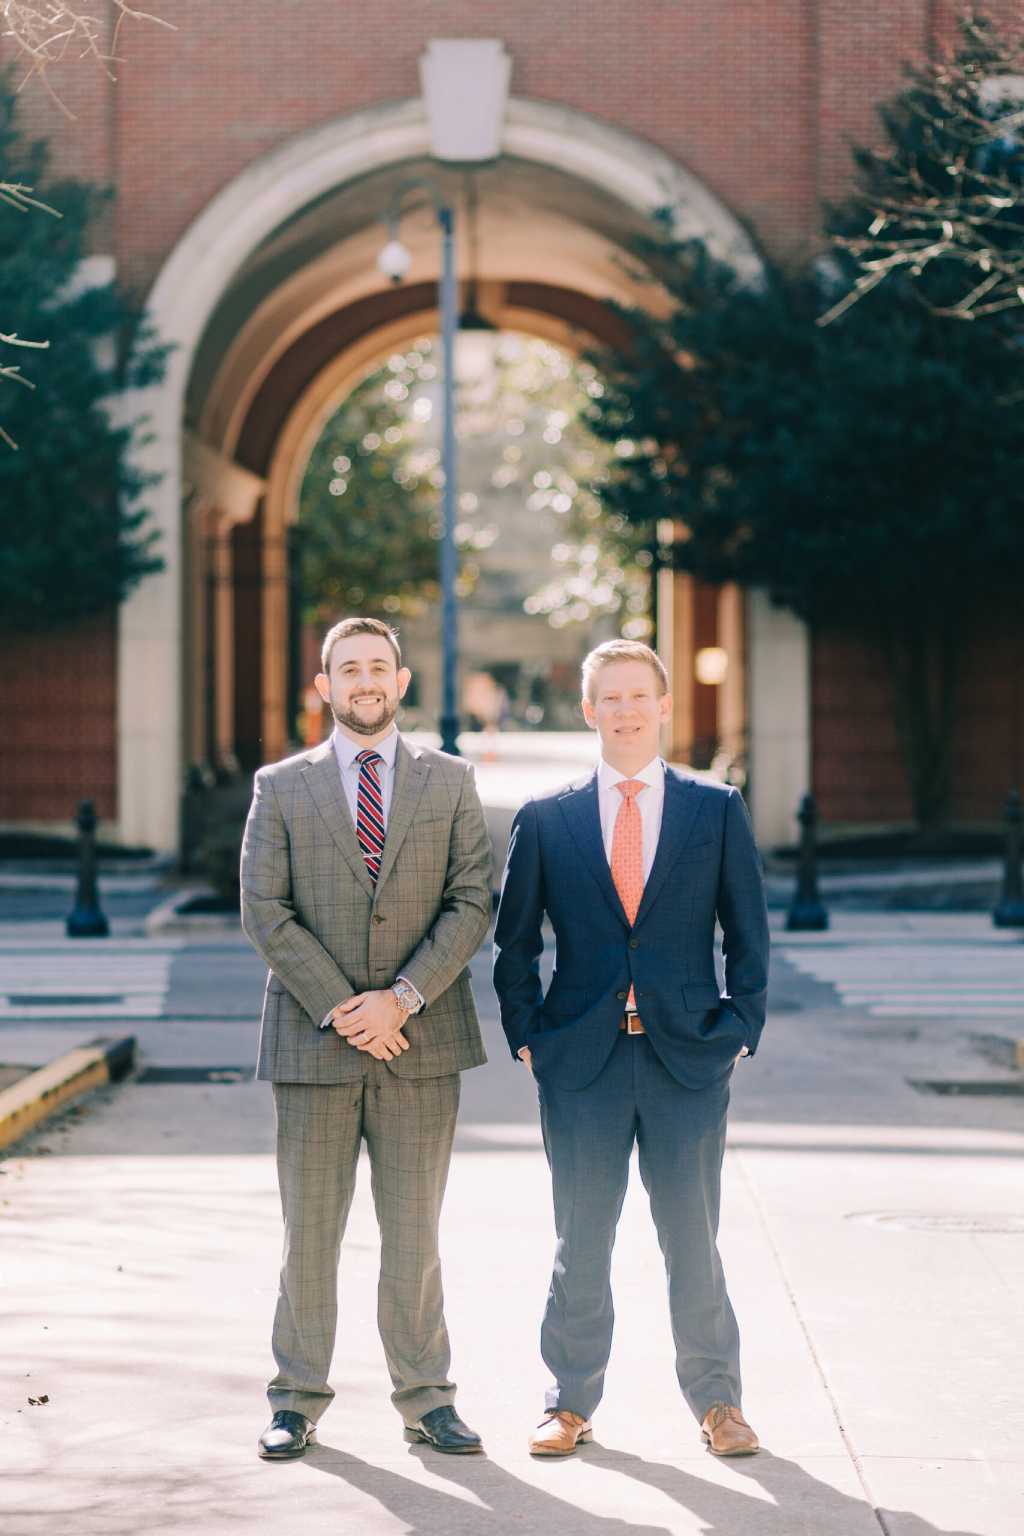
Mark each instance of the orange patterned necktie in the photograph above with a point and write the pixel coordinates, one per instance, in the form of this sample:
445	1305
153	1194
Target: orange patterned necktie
628	855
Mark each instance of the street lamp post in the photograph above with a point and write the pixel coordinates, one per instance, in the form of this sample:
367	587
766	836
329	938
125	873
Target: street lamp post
394	262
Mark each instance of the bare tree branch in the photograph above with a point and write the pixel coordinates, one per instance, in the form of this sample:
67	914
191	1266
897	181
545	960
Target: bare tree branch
48	31
957	199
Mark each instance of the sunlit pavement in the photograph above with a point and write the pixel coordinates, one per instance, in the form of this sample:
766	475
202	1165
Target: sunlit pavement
873	1236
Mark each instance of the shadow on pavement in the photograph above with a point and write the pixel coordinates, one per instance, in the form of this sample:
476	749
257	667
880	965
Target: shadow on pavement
798	1504
801	1503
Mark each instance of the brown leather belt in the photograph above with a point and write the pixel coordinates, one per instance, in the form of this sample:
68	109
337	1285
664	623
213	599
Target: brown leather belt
630	1022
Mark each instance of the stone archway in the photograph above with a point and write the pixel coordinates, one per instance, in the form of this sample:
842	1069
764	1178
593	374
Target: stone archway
195	276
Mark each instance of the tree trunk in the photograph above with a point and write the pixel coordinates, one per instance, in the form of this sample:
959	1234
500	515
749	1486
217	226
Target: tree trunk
924	663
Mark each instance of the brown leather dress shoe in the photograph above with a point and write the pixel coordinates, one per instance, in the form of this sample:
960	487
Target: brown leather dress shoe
727	1431
558	1434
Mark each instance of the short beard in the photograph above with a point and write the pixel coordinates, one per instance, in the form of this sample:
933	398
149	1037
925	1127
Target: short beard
362	727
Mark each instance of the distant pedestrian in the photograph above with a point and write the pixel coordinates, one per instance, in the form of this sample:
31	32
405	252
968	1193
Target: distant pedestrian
632	1042
366	888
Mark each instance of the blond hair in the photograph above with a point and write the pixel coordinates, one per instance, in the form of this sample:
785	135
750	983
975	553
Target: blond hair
621	650
345	628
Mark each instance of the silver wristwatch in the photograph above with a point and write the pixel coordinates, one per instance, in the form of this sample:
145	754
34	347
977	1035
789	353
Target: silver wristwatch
408	997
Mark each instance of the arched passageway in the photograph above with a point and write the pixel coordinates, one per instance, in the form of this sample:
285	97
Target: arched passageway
276	309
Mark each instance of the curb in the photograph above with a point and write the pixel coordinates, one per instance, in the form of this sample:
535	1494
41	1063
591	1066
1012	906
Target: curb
168	920
35	1097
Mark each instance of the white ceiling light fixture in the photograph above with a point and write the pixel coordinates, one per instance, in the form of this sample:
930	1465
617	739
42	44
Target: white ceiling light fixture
465	91
395	260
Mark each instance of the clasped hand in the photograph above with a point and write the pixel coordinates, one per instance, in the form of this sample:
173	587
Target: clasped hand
372	1021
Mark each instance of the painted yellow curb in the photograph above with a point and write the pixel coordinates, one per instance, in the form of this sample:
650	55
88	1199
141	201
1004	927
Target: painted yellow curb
28	1102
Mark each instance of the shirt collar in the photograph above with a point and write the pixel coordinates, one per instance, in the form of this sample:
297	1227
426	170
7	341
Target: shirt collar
608	777
346	750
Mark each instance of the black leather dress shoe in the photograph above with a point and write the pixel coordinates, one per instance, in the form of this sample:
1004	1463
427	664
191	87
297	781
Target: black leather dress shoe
286	1436
444	1430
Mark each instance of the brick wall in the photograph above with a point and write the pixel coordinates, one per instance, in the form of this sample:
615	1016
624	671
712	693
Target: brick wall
58	708
857	763
760	99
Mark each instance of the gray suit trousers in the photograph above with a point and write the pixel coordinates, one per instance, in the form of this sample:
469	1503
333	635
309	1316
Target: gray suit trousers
408	1126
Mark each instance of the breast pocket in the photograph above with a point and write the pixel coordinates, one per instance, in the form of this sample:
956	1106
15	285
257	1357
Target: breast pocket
694	852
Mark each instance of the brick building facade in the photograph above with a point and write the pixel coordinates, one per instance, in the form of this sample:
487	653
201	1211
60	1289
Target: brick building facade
253	152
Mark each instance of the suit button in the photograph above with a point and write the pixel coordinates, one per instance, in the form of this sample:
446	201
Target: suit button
378	917
634	943
622	996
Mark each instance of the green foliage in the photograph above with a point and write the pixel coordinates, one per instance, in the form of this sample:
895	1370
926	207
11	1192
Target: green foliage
866	472
368	524
71	526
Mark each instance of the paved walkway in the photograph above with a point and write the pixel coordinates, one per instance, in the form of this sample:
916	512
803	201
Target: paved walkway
873	1236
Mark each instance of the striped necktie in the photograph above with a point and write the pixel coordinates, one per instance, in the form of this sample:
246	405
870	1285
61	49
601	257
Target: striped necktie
370	811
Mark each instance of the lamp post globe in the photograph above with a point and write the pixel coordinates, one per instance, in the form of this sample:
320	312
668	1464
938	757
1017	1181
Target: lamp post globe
394	261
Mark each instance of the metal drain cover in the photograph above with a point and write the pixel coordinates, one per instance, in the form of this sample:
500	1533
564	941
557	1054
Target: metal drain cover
970	1223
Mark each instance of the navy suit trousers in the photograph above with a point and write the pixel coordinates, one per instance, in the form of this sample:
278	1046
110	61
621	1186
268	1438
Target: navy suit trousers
680	1134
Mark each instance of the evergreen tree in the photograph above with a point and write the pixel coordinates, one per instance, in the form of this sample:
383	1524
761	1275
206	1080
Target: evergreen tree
867	473
70	522
368	518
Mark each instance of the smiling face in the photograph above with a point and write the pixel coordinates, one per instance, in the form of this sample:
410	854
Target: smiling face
627	709
364	686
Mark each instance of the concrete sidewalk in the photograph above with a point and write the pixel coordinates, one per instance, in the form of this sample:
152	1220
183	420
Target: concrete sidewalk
874	1242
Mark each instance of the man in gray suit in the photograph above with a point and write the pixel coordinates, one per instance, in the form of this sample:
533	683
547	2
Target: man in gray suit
632	1043
366	889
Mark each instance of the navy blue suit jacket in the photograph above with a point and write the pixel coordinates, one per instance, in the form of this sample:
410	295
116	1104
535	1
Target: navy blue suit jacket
706	865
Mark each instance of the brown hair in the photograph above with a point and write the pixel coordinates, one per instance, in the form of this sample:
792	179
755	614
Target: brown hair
621	650
347	627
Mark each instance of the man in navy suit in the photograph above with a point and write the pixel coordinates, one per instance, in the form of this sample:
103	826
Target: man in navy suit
633	1042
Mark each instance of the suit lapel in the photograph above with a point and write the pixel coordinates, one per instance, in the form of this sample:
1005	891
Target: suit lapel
679	812
411	774
323	779
583	816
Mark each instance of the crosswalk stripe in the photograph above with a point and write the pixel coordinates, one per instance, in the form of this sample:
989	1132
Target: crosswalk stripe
900	983
69	983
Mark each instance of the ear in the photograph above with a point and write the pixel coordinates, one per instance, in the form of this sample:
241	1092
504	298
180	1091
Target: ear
404	679
322	684
589	712
665	706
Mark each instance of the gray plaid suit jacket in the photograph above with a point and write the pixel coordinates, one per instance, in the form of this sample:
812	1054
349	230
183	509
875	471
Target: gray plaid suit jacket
311	910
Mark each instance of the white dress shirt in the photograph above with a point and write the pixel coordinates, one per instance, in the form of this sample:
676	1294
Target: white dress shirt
346	751
650	802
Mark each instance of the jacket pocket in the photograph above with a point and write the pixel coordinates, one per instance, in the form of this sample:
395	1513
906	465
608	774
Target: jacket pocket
700	850
699	996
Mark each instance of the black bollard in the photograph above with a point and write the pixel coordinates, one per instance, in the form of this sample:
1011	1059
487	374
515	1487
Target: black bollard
85	920
1009	911
806	912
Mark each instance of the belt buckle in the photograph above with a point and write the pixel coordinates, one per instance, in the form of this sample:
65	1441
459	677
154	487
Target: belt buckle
630	1019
